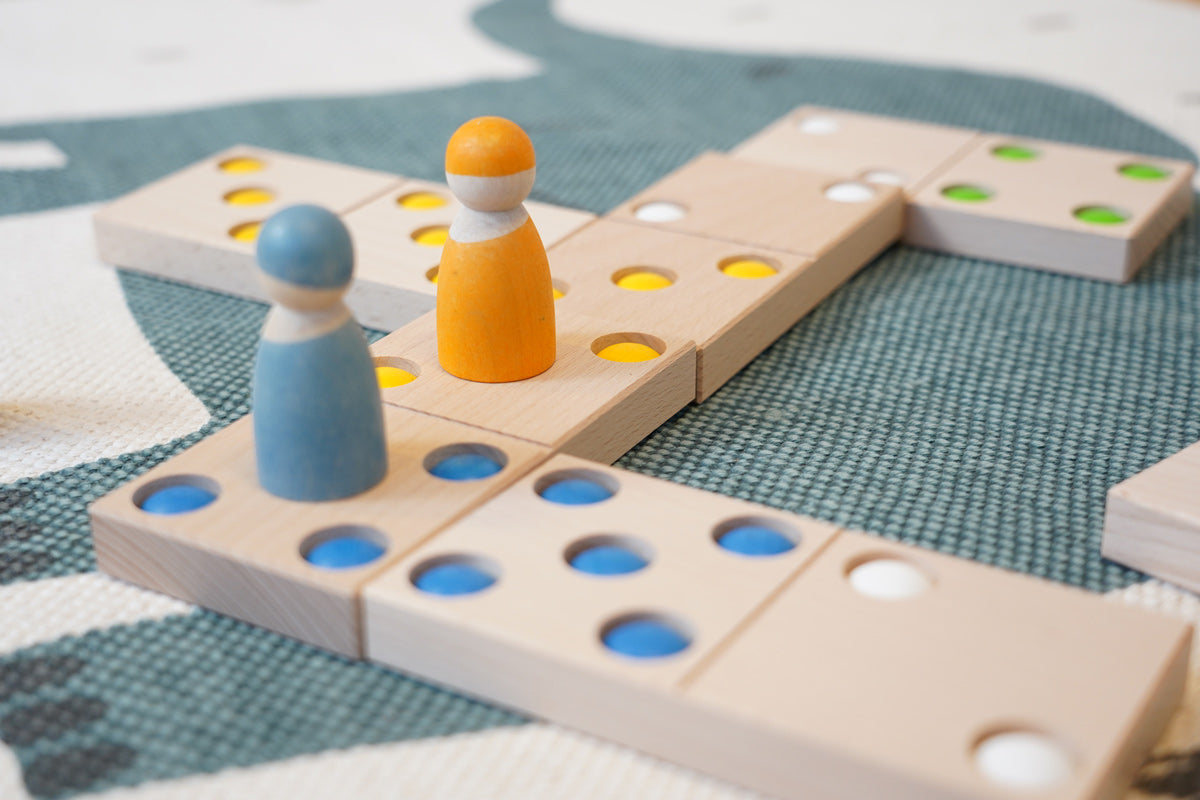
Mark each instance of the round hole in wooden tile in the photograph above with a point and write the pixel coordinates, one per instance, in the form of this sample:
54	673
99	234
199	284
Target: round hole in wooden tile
967	193
1101	215
660	211
646	635
176	494
608	554
818	125
1143	172
421	201
887	577
1015	152
392	372
850	192
628	347
1023	759
249	196
242	165
757	537
431	235
344	546
746	267
576	487
465	461
455	574
560	288
246	231
643	279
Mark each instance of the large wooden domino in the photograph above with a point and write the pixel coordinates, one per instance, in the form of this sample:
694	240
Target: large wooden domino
398	236
844	222
860	146
1152	520
244	553
732	300
833	665
1065	208
584	405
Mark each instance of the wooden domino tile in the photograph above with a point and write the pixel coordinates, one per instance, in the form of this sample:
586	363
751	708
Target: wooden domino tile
198	225
763	205
1086	212
1152	520
845	667
584	405
861	146
532	640
243	554
733	300
398	236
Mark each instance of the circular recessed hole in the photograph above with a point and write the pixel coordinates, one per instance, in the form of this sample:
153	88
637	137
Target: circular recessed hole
887	177
818	125
248	196
240	165
1023	759
576	487
421	201
646	635
885	577
1101	215
850	192
431	275
1015	152
392	372
245	231
748	267
609	554
454	575
560	288
643	279
176	494
343	547
1144	172
431	235
660	211
755	536
967	193
465	461
628	347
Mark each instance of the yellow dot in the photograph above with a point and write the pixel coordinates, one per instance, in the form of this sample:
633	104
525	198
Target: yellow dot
250	196
628	352
643	281
246	232
747	268
433	236
241	164
391	377
558	293
420	201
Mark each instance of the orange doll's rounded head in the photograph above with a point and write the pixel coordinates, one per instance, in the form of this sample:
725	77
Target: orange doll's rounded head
490	164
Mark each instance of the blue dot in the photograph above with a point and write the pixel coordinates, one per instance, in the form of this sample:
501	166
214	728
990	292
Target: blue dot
576	492
755	540
466	467
453	578
343	552
645	638
177	500
607	559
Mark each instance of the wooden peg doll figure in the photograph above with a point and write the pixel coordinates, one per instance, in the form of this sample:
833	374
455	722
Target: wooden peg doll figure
318	418
495	301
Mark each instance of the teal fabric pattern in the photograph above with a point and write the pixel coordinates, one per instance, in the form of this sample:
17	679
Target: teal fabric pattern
973	408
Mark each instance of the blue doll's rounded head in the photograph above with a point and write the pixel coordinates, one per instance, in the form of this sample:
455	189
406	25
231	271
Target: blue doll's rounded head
306	246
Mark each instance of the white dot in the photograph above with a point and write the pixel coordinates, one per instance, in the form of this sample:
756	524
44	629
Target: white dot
819	126
886	176
888	579
850	192
1023	760
660	211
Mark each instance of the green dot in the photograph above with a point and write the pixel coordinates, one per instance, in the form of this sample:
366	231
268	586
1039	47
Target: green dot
1014	152
1143	172
965	193
1101	215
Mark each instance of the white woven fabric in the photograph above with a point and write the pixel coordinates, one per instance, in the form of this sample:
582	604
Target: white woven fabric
78	381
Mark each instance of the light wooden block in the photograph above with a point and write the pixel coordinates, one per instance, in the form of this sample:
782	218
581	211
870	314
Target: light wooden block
861	146
241	555
831	693
763	205
1152	520
1030	218
385	234
532	640
794	683
179	227
731	319
583	405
